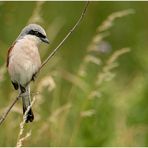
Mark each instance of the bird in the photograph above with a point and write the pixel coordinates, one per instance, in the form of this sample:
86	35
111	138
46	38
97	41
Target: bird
23	62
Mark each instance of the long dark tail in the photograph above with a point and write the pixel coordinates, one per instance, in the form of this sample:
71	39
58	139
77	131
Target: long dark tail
26	103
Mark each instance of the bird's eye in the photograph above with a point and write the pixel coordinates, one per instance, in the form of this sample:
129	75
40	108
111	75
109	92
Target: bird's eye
41	35
36	33
32	32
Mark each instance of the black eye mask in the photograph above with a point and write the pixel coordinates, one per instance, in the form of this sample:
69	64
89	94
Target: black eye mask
36	33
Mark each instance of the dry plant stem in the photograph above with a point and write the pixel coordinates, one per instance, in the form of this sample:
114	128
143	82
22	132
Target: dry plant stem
22	124
69	33
3	117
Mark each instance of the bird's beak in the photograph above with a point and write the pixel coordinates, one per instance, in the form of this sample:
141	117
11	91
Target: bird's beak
45	40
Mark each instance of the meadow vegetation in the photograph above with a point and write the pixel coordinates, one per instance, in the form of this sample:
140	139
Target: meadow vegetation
93	92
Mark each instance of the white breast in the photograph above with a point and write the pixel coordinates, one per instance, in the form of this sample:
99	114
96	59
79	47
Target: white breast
24	60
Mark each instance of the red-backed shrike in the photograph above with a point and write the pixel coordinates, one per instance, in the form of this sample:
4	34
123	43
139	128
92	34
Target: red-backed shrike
23	61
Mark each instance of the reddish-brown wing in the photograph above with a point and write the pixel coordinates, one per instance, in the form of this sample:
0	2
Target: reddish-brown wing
8	54
9	50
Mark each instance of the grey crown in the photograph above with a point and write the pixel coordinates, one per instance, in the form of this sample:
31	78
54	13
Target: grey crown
36	30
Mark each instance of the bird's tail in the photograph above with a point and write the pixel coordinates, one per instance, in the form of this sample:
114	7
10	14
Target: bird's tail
26	103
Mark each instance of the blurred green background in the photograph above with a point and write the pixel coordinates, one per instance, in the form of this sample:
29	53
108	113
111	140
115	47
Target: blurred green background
83	98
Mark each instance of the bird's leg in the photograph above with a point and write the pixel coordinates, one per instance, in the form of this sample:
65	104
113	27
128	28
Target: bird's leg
21	90
34	77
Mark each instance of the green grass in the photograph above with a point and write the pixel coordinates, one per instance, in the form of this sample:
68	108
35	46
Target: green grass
94	91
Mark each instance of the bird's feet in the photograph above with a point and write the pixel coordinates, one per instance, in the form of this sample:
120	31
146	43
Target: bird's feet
33	77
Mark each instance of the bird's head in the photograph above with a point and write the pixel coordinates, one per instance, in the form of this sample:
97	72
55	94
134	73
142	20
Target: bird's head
34	31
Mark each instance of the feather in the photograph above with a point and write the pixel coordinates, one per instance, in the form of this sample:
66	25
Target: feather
26	103
8	54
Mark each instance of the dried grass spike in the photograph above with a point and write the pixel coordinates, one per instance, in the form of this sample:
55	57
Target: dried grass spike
108	23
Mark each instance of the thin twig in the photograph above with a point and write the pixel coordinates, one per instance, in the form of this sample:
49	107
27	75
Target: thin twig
69	33
3	117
